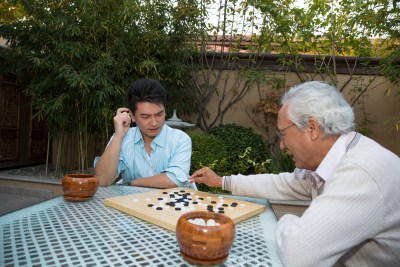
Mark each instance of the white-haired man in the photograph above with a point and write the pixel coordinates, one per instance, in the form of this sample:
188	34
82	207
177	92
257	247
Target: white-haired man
353	182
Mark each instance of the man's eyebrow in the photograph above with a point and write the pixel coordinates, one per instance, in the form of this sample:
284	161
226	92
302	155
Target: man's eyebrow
147	114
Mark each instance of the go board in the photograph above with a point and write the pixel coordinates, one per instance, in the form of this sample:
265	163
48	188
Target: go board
164	207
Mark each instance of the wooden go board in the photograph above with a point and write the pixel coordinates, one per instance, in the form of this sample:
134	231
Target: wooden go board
164	207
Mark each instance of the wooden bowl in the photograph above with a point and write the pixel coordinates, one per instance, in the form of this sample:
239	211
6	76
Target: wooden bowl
79	187
207	245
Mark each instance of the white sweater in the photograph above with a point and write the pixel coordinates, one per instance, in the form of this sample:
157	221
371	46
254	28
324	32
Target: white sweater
354	219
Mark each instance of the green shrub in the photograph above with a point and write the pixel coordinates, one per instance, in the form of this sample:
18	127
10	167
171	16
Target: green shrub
281	161
229	149
232	149
206	151
238	138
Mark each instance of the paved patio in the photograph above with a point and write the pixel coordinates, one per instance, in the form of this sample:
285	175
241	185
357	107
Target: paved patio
14	197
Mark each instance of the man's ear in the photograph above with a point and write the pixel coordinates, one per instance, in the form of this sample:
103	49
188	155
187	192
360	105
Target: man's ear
314	128
132	116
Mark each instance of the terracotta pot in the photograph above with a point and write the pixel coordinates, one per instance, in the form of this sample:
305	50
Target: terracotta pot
79	187
207	245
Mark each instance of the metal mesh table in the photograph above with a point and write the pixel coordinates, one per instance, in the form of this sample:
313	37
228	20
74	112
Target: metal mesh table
61	233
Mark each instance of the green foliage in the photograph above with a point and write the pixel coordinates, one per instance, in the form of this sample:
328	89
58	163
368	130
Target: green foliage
281	161
10	11
248	163
207	150
229	149
236	139
81	55
391	69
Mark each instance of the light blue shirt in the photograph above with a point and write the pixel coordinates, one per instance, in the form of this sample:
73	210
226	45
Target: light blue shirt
171	154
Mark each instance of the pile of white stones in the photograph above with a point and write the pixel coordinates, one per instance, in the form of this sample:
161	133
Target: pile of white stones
201	221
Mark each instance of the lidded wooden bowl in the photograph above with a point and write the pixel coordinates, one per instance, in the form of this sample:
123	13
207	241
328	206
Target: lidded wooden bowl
79	187
201	244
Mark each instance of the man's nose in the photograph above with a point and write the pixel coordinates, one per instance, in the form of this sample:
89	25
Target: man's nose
153	120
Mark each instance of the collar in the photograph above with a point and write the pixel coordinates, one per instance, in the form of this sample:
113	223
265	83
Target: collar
159	140
332	159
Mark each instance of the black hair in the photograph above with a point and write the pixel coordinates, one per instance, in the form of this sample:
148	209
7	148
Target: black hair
146	90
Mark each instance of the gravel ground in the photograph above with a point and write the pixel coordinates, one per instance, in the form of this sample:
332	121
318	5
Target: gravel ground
40	171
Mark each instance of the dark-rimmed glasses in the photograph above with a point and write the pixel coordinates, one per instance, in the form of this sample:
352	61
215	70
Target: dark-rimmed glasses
280	133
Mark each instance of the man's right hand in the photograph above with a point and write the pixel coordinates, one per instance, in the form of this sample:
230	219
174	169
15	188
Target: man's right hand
122	121
206	176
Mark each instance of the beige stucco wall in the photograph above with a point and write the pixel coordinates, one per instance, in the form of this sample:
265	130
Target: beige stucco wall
378	107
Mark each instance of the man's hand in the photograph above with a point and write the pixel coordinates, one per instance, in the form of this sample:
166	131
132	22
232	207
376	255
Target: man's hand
206	176
122	121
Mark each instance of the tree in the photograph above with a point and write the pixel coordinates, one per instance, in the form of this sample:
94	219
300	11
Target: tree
218	59
81	55
391	64
330	32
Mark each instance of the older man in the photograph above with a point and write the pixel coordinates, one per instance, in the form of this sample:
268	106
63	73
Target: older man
353	182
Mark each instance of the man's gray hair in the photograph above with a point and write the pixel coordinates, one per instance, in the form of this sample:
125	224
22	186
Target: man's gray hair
324	103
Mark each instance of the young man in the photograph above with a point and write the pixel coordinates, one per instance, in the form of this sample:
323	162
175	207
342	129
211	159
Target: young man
353	182
151	154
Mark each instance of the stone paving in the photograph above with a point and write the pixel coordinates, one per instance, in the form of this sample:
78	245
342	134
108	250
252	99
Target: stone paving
14	198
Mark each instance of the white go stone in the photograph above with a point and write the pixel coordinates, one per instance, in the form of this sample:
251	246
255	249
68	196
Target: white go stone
211	222
199	221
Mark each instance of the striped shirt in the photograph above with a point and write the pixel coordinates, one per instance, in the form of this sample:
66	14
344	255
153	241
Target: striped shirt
171	154
353	216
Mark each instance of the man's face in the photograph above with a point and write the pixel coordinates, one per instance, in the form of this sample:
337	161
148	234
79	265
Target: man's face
296	142
150	118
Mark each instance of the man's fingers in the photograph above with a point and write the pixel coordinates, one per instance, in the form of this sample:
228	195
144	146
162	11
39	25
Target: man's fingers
122	110
197	173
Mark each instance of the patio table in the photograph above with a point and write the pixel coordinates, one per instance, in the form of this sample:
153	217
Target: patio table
62	233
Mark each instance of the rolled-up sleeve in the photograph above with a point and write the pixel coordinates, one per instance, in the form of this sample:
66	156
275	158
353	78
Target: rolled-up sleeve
179	164
122	167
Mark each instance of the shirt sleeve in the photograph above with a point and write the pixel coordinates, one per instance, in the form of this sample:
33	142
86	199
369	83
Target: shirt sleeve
337	220
121	164
283	186
179	165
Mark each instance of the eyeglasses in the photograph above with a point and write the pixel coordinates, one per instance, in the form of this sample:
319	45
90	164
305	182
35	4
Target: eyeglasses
279	133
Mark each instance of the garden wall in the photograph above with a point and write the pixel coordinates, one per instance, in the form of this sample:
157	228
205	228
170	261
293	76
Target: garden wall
377	106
